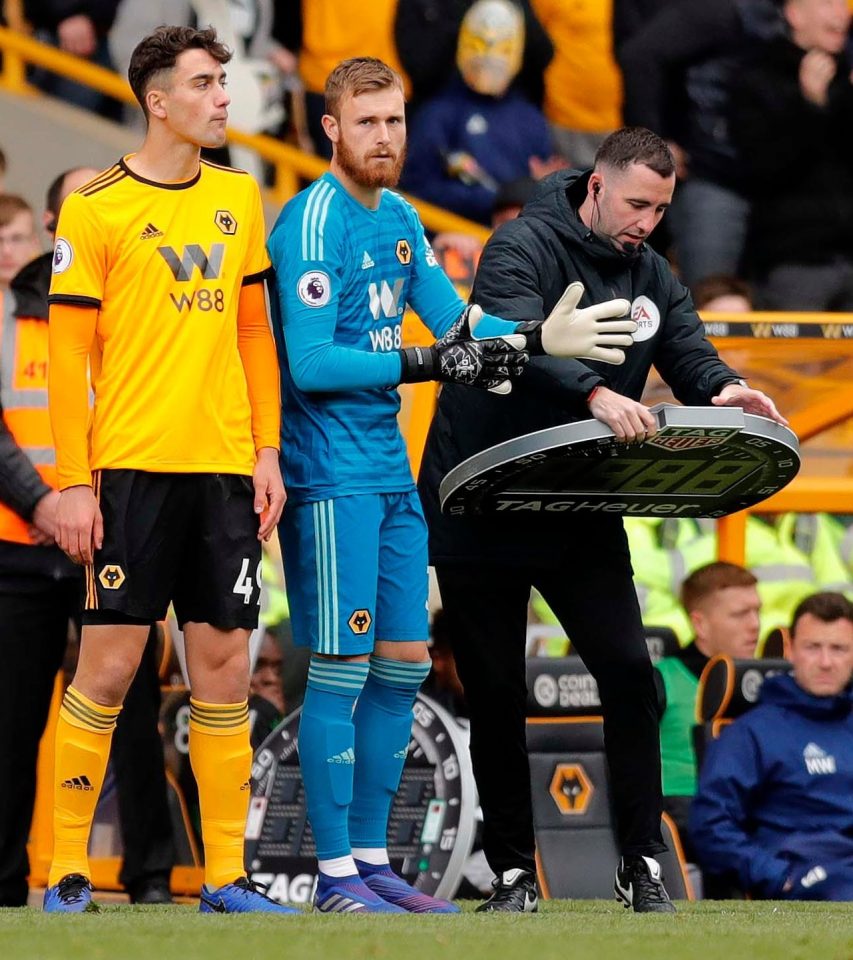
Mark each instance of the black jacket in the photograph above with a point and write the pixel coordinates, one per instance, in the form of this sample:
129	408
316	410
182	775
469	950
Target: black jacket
523	271
630	16
797	158
21	487
696	46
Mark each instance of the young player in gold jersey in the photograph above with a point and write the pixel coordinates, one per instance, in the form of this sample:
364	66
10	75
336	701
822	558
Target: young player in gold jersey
171	484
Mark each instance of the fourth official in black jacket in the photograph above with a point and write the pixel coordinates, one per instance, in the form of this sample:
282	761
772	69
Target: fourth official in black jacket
590	227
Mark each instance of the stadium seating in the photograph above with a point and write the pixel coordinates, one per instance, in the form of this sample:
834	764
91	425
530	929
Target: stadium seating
727	689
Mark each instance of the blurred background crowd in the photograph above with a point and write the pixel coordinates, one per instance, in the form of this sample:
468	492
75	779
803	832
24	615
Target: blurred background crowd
754	97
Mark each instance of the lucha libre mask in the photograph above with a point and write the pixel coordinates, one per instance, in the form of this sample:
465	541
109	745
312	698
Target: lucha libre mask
491	43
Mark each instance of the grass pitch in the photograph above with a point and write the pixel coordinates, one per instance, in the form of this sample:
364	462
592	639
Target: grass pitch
563	930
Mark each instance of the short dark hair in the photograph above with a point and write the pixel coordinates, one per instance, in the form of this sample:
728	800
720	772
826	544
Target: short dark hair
159	51
713	577
826	606
356	76
630	145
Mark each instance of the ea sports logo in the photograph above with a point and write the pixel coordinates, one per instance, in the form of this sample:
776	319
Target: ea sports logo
646	315
314	288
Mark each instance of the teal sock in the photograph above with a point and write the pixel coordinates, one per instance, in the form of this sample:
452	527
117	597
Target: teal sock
327	750
383	727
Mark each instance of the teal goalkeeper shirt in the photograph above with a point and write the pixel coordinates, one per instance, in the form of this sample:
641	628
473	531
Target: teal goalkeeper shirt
344	275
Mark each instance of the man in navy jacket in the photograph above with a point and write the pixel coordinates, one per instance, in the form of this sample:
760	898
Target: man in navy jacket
774	809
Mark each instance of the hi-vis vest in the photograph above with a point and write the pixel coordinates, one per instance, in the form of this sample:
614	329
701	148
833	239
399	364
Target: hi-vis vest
23	393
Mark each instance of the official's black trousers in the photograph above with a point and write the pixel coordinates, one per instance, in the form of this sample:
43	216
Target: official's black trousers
34	617
591	592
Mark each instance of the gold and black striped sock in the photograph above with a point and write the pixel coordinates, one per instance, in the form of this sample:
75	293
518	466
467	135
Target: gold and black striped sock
84	732
221	758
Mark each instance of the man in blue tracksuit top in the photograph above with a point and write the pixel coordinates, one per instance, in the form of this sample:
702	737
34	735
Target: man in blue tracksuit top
774	808
349	255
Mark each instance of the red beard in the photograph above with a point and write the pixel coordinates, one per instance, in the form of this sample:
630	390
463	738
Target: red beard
366	173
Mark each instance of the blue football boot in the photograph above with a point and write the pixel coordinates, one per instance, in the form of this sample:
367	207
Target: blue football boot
73	894
241	896
383	881
349	895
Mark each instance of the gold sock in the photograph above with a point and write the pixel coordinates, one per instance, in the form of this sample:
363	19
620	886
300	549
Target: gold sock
84	733
221	759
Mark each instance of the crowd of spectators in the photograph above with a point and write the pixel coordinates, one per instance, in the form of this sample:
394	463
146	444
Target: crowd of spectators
753	96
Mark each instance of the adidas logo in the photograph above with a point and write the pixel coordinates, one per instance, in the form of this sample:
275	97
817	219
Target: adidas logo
150	232
813	750
366	262
348	756
77	783
401	754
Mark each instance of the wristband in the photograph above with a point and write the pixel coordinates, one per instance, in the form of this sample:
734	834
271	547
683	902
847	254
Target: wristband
417	364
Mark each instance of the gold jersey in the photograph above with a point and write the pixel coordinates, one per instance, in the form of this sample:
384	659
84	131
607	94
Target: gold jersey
164	264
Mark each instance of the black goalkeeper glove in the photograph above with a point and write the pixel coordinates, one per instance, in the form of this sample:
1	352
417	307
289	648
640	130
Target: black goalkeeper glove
458	358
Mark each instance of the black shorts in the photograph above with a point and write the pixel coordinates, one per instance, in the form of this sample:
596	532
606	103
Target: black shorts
188	538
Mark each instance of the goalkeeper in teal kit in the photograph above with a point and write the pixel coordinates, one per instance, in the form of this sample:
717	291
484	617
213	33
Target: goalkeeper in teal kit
349	255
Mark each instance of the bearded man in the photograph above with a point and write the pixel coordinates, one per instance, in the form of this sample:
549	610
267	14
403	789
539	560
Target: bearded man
349	255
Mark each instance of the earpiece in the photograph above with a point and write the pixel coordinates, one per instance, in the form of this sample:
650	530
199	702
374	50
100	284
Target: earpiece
596	187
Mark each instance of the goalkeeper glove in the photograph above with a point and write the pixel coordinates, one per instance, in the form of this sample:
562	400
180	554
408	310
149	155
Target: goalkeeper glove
458	358
590	333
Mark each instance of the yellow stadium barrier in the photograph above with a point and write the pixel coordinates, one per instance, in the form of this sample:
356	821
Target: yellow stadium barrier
290	163
805	362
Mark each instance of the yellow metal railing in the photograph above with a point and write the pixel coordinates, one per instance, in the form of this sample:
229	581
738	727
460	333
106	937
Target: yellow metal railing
290	163
805	494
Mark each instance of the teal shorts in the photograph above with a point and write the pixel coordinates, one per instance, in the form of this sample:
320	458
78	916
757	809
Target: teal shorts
356	571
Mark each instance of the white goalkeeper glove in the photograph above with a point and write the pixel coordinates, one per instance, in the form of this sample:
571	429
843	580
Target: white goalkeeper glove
592	333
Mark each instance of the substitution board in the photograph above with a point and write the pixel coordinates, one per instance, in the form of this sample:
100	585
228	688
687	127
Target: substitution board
702	462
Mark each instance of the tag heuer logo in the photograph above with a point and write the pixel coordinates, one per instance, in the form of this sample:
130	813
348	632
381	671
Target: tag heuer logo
684	443
690	438
111	577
